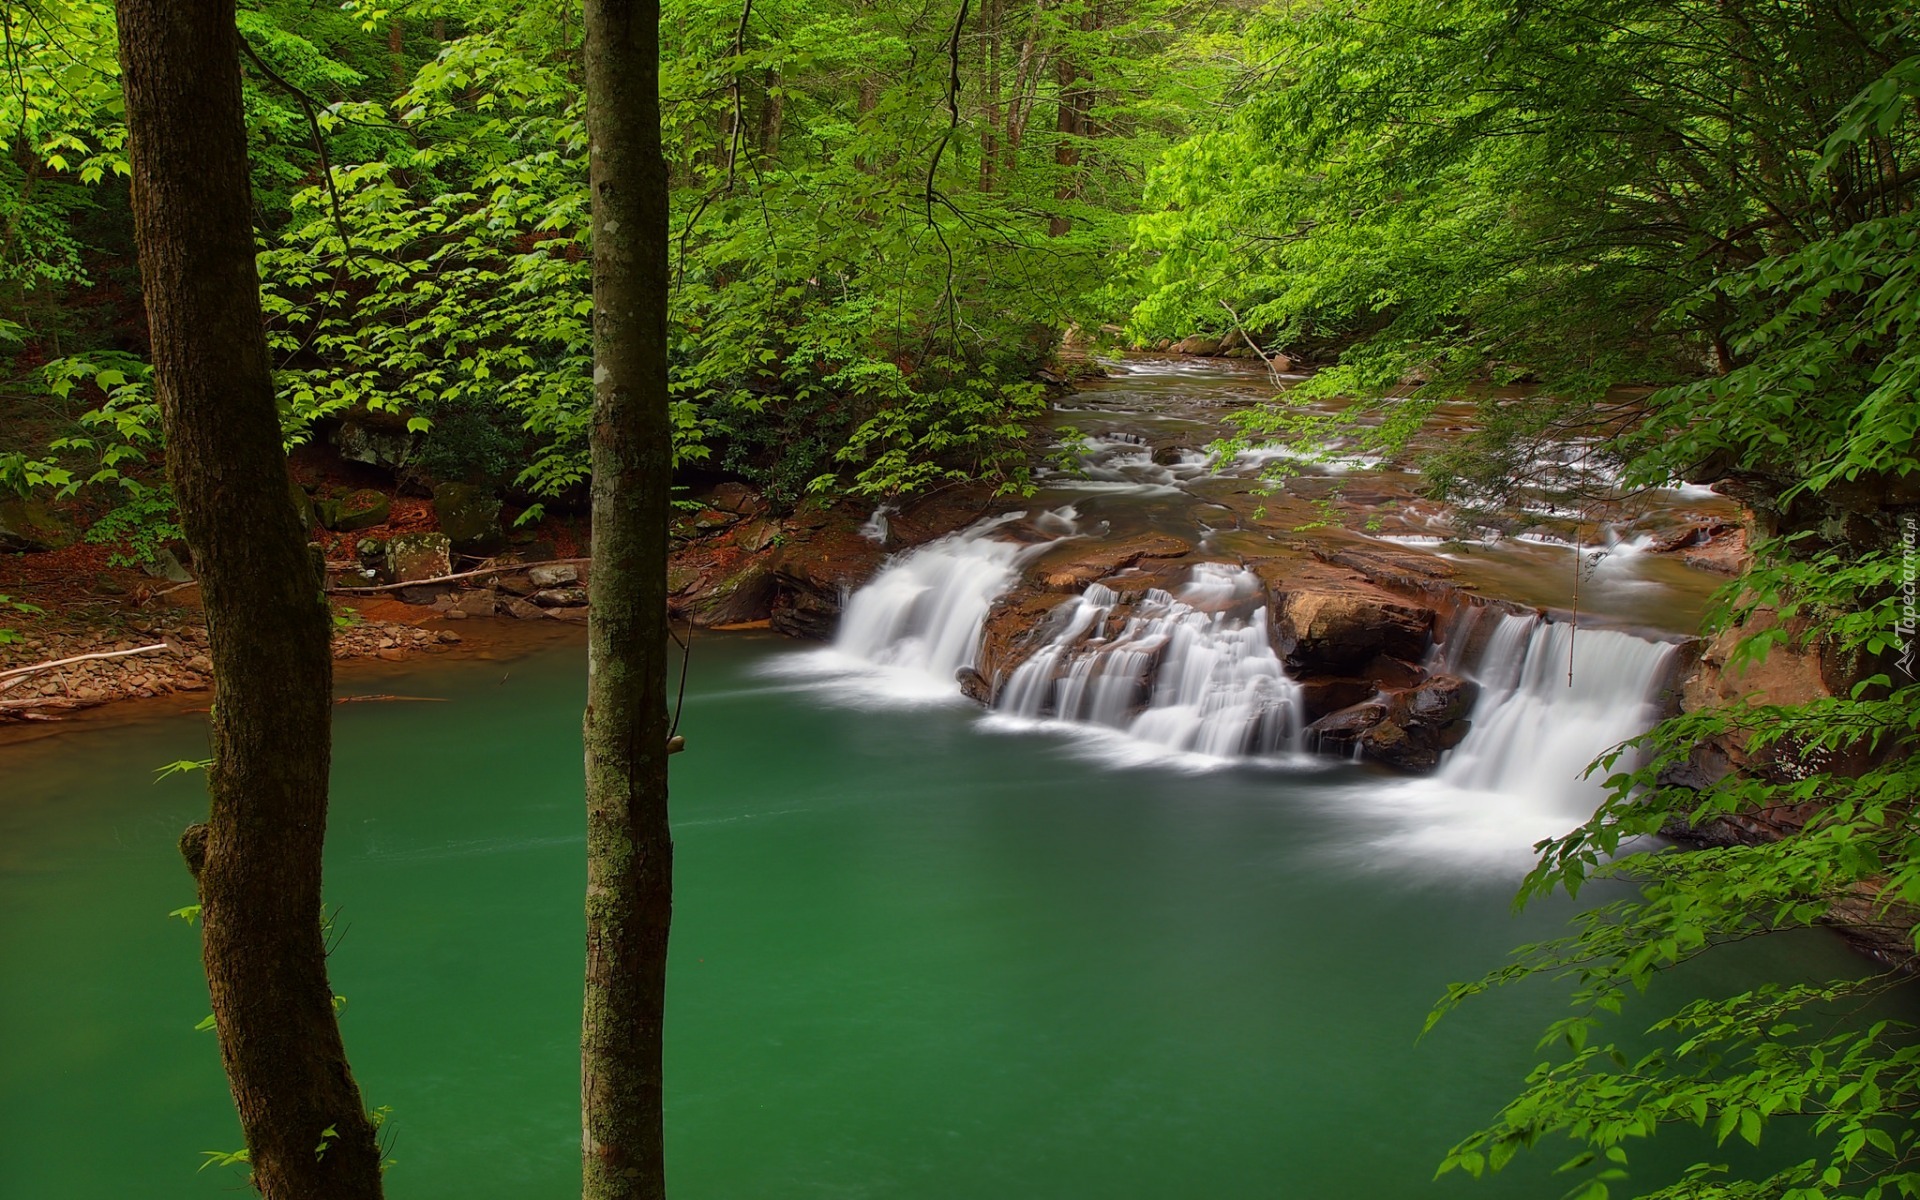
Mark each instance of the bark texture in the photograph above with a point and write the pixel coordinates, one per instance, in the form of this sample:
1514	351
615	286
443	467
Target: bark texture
257	859
629	848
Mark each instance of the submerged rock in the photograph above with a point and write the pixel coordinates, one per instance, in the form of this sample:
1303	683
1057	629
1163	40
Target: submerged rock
1407	730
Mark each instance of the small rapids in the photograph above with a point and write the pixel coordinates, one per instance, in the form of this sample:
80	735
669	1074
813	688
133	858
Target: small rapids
1172	674
1189	678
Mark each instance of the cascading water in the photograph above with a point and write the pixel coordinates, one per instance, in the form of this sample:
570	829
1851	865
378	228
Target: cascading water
1520	775
1194	672
1552	698
924	612
1190	676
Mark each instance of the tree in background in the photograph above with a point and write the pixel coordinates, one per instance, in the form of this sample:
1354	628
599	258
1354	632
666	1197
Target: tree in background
629	844
257	859
1721	198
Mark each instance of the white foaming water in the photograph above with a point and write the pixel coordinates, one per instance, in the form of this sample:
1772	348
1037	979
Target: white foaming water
1520	775
1190	680
920	619
1193	674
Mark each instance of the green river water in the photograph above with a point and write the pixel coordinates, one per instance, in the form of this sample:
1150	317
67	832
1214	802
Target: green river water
912	957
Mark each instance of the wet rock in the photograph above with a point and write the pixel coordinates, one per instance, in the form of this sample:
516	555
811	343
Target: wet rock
572	597
26	526
1389	672
480	602
431	596
554	576
470	517
745	596
415	556
812	573
705	521
522	610
302	505
1421	724
1441	701
1076	564
974	685
1199	344
1335	630
936	514
1339	732
1321	697
1392	744
681	577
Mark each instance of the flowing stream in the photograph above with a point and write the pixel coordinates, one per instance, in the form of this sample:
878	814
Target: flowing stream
1121	935
913	958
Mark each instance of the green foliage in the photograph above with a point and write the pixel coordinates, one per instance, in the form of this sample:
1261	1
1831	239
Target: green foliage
140	527
9	605
1718	198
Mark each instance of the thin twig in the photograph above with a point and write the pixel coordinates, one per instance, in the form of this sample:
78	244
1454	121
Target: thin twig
686	658
506	569
61	662
319	143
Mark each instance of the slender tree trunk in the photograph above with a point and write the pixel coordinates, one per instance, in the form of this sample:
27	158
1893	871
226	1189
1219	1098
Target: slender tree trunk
257	859
772	116
990	18
629	848
1026	77
1071	125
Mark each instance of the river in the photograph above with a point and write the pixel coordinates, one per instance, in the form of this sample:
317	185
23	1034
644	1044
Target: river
1067	947
915	955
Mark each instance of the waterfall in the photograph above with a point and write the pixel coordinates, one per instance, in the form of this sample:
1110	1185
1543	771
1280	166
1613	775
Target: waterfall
1194	672
924	612
1534	731
1519	776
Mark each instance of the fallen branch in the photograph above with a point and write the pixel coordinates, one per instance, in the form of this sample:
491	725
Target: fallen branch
19	706
383	698
36	668
1272	371
495	570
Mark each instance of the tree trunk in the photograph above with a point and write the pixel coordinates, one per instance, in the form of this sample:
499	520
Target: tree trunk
990	18
629	848
257	859
772	116
1076	101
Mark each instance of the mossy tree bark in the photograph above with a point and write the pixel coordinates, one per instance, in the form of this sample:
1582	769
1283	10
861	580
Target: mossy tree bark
257	859
629	848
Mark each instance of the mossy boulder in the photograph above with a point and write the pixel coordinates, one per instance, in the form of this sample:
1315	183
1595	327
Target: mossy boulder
357	510
416	556
27	526
470	517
